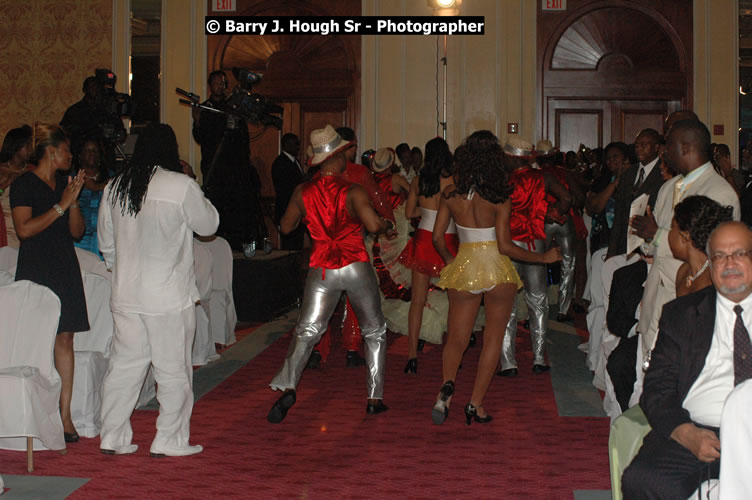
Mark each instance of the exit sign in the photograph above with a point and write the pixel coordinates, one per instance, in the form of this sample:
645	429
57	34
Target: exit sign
554	4
224	5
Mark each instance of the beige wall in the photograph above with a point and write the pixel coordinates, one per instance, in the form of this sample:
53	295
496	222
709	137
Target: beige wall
491	78
716	66
47	49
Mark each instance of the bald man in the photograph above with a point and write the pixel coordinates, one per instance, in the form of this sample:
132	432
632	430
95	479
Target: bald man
687	152
696	364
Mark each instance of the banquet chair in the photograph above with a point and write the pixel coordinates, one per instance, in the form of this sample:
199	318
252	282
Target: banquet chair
8	259
92	347
203	343
222	316
29	384
625	440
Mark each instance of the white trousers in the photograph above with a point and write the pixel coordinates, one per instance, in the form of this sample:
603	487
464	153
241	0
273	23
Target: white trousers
164	341
736	444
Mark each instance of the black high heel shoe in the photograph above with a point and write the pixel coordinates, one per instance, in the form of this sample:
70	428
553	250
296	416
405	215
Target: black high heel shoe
440	410
412	365
471	413
421	344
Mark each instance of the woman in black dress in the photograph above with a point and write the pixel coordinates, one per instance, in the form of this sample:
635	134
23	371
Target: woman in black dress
47	220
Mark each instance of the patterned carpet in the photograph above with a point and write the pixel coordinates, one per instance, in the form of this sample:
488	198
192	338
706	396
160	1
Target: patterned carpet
328	447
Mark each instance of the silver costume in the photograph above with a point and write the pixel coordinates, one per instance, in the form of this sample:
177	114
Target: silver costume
534	278
320	298
564	236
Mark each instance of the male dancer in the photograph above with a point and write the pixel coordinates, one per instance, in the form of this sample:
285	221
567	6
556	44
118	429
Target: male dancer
335	212
529	207
559	226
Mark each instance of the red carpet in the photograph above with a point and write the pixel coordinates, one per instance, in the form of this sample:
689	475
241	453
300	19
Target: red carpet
328	448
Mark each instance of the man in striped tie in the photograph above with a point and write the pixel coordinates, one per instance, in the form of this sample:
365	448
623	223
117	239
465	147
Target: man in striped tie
703	351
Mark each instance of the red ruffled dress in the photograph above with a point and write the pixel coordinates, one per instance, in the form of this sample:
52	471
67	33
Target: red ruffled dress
420	254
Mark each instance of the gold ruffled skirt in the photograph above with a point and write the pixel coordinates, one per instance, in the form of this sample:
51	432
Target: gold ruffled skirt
478	266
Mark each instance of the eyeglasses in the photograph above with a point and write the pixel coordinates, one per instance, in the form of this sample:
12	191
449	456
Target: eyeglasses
736	256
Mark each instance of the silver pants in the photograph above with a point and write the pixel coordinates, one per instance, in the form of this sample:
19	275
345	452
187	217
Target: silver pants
534	278
564	236
320	298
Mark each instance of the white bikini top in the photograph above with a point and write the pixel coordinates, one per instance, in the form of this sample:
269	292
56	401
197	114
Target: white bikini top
428	220
476	234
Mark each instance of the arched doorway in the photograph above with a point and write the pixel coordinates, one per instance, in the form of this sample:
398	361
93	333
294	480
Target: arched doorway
608	69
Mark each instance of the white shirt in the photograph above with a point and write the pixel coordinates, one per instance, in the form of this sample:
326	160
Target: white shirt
647	168
151	255
706	397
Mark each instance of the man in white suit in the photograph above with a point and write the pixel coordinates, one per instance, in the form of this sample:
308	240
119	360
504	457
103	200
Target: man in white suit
687	152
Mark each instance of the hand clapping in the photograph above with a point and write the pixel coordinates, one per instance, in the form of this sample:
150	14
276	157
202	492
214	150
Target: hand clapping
73	189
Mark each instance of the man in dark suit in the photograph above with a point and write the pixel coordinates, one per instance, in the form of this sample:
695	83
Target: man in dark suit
641	178
703	351
287	173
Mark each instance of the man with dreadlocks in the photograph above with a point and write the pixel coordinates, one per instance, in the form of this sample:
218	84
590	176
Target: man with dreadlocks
147	218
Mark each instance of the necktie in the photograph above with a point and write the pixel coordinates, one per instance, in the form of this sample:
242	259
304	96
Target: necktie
742	349
677	192
640	178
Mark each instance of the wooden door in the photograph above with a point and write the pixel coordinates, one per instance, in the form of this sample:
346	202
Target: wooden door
610	68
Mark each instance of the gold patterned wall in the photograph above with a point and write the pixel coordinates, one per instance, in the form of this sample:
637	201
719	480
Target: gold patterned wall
47	48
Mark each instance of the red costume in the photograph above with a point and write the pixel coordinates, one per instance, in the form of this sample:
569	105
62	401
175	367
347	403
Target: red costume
384	181
337	237
420	254
359	174
529	205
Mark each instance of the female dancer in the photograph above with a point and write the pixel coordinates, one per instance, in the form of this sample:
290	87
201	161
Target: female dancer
420	255
479	204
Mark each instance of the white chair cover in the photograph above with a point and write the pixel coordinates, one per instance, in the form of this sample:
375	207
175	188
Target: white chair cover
92	349
29	383
6	278
203	343
8	259
222	316
736	444
596	316
86	403
89	262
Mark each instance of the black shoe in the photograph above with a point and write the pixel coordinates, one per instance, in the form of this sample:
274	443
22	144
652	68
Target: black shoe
421	343
376	408
526	324
538	369
509	372
412	365
471	413
577	308
314	362
71	437
472	341
354	359
440	410
564	318
281	406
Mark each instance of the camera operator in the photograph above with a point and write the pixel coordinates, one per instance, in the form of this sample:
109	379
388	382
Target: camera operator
229	180
86	118
208	127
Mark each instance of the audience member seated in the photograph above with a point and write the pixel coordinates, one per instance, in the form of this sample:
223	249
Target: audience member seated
700	356
14	157
95	179
694	219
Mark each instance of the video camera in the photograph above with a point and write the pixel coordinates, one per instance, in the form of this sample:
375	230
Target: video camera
115	106
242	102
